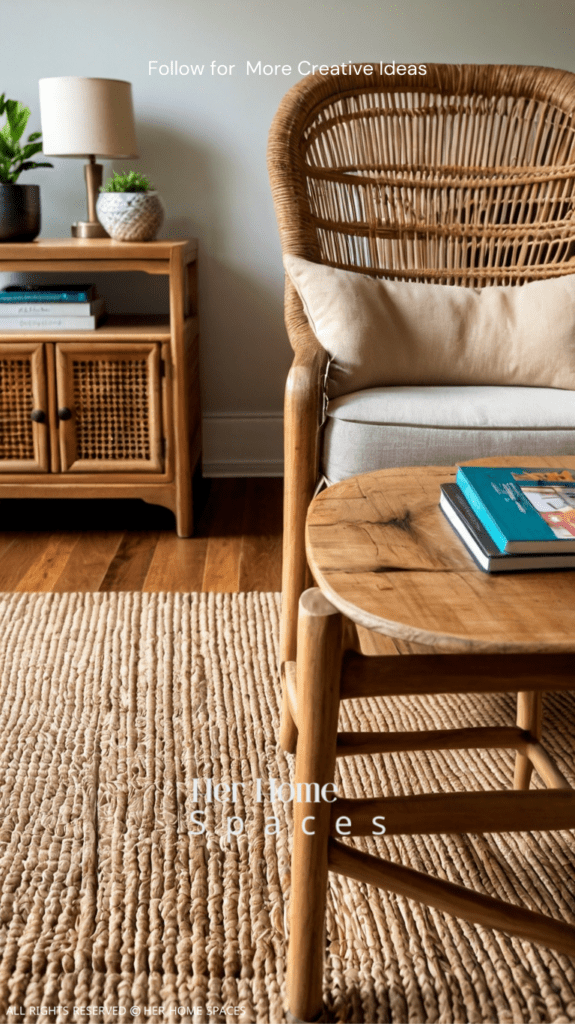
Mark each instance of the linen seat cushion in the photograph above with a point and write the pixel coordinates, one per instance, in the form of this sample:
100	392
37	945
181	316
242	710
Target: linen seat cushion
409	425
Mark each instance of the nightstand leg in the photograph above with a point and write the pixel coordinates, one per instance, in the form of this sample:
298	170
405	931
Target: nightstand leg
184	516
183	393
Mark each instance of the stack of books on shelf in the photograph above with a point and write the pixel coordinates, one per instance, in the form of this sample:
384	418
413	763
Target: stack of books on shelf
513	519
51	307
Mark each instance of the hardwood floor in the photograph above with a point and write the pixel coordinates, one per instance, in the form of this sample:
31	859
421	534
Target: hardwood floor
83	545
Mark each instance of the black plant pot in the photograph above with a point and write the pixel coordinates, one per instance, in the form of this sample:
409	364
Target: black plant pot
19	212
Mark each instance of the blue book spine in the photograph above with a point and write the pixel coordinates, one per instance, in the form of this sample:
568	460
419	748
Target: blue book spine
11	297
500	504
486	520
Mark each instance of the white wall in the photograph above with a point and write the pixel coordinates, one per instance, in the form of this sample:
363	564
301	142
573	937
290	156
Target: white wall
203	142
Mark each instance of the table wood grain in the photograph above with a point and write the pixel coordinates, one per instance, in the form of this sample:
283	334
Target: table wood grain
382	551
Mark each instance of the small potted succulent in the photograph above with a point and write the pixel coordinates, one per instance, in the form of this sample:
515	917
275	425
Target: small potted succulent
129	208
19	204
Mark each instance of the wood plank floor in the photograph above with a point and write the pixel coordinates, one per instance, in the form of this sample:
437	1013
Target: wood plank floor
84	545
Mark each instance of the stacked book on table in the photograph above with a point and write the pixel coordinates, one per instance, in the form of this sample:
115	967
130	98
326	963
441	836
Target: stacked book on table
513	519
59	307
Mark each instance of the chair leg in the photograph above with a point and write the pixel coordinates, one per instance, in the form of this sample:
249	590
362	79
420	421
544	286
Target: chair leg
529	716
288	728
293	583
318	682
303	400
288	646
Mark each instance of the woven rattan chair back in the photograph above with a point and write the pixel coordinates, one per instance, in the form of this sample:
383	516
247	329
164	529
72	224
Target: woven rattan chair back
464	175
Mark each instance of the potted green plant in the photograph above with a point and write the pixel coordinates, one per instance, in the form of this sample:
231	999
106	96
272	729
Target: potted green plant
129	208
19	204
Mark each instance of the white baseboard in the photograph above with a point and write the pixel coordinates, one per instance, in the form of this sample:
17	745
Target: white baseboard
236	444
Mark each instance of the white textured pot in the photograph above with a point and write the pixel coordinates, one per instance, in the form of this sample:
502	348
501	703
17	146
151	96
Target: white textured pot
130	216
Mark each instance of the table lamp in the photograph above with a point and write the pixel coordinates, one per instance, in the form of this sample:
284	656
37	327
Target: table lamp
88	117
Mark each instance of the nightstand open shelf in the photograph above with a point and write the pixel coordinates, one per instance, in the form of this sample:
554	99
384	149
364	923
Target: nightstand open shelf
154	327
113	412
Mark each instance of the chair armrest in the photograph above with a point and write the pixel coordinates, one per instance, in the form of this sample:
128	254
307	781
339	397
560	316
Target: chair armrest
303	411
304	386
302	420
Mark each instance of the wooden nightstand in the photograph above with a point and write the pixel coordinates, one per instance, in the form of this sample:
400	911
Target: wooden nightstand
116	410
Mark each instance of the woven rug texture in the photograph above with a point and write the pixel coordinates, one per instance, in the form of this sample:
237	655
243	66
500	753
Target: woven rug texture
111	705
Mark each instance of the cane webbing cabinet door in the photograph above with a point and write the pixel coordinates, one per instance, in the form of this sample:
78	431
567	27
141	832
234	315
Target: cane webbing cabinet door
23	437
109	407
111	412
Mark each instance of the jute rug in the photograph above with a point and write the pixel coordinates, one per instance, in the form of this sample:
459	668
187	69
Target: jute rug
111	908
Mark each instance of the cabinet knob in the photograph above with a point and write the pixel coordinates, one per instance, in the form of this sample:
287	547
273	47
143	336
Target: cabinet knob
38	416
64	414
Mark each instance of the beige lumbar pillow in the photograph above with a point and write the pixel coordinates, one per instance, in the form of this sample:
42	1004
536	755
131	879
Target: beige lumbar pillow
384	333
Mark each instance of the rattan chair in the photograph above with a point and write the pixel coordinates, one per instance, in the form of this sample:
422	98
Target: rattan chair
464	175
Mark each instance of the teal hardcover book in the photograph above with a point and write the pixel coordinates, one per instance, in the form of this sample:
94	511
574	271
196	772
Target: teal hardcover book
48	293
524	510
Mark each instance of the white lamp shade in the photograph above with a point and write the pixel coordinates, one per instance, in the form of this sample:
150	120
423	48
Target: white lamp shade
87	117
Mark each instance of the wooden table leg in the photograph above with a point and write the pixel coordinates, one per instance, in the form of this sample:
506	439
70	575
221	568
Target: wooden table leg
319	646
288	728
529	716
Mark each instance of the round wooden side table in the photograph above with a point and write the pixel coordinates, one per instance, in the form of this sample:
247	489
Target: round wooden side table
381	550
386	560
